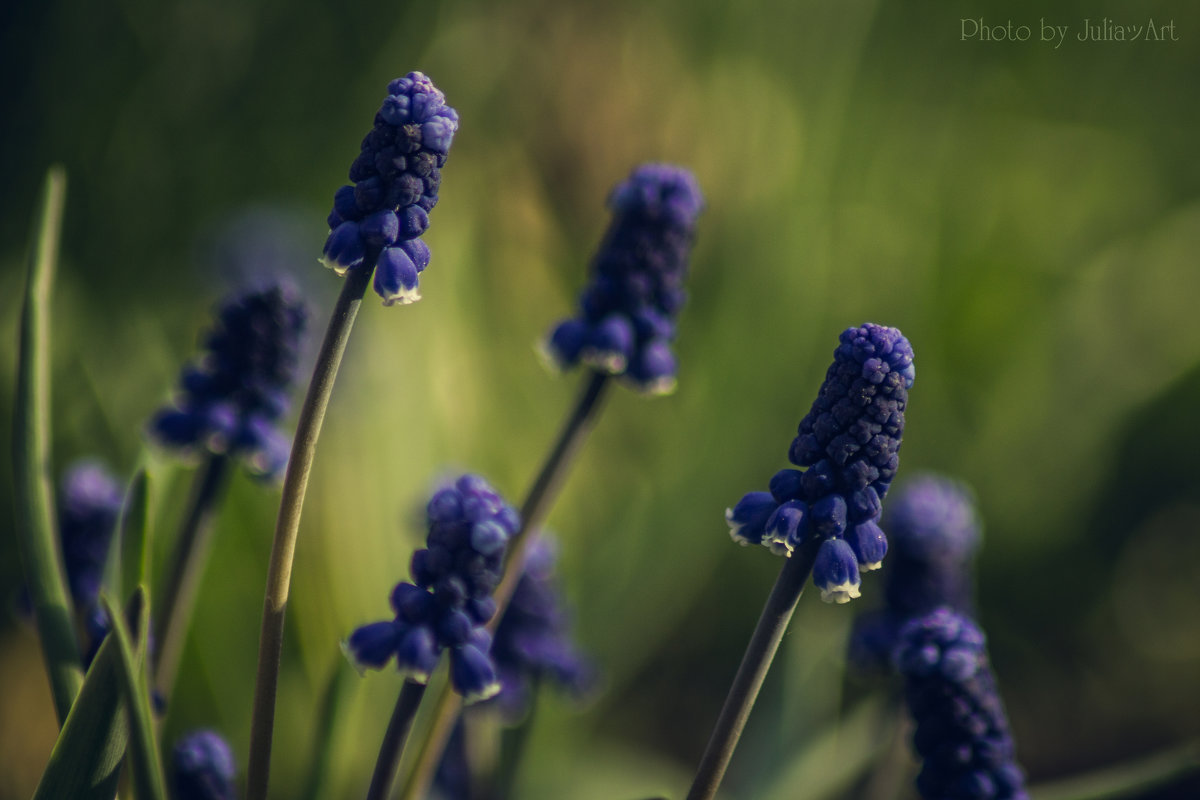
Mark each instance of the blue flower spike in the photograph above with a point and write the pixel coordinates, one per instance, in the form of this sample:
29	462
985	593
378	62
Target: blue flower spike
962	732
935	531
533	640
202	768
847	448
89	504
627	314
377	222
448	602
231	399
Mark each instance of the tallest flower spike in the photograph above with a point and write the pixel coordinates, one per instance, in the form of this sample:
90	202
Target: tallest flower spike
375	227
378	221
627	314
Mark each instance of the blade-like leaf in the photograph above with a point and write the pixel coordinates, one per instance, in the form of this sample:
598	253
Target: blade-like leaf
134	530
328	723
41	557
834	758
1127	780
143	745
86	760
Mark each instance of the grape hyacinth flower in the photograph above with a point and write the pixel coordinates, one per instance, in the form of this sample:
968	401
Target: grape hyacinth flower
962	732
89	504
934	532
231	399
377	222
822	518
627	313
849	445
532	642
202	768
449	602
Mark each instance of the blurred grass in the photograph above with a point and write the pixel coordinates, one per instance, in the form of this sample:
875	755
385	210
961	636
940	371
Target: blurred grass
1030	218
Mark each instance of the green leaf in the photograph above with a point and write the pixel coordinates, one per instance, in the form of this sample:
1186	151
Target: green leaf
1126	780
37	540
86	760
134	532
143	745
338	688
835	757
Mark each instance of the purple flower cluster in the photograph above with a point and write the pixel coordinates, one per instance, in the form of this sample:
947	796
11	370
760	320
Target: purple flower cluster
202	768
934	532
449	601
232	398
378	221
627	313
533	639
89	503
849	443
961	732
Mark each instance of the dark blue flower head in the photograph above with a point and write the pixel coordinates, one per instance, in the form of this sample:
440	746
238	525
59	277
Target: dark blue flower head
449	601
89	503
231	399
848	445
934	532
962	733
627	314
202	768
378	221
533	640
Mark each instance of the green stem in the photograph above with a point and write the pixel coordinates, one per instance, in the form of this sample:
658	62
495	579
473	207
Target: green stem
533	511
185	572
891	773
772	624
287	525
516	742
393	741
37	540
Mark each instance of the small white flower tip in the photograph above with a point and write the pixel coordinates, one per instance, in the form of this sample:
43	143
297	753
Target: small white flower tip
841	593
486	693
404	297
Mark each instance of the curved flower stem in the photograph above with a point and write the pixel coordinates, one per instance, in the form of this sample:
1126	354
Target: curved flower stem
445	715
187	567
287	525
772	624
393	741
533	511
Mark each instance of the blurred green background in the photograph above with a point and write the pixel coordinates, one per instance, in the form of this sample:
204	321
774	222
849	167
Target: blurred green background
1028	216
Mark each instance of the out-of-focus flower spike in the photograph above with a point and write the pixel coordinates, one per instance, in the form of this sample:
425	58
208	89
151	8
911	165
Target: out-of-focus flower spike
627	313
234	394
962	733
202	768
